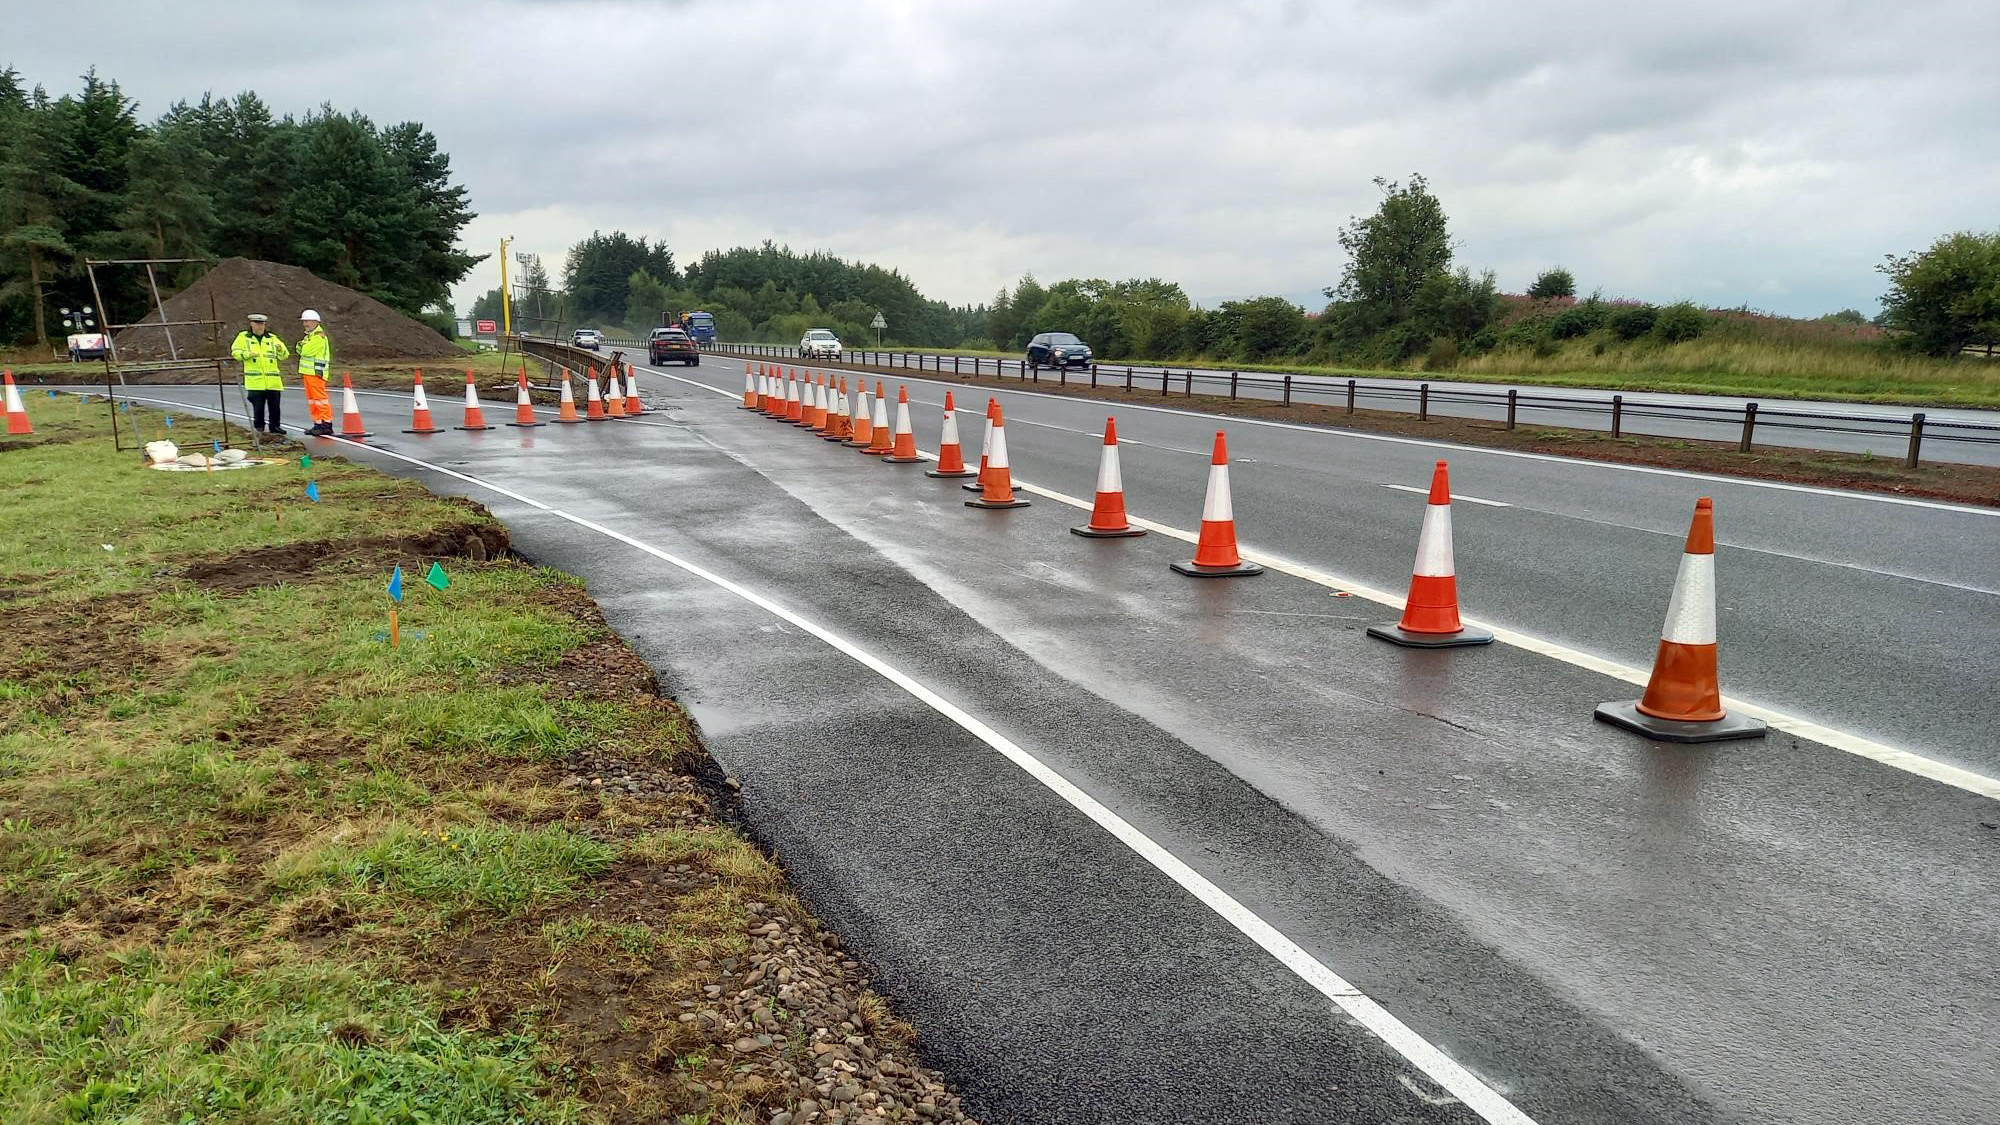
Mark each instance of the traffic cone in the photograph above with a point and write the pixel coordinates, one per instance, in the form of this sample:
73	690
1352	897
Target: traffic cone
951	458
1430	613
884	439
1683	699
904	449
795	398
985	451
1107	516
812	414
837	421
475	418
1215	553
420	412
350	414
17	416
524	407
774	398
828	403
999	483
614	396
864	424
751	396
566	409
593	406
633	406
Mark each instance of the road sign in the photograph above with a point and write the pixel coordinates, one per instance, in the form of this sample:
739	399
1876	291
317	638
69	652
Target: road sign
879	323
486	327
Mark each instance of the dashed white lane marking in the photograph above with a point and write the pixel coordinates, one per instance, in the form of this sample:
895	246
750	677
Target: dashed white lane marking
1422	1053
1571	462
1861	746
1455	497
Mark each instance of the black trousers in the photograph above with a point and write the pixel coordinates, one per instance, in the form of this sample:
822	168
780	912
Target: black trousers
262	402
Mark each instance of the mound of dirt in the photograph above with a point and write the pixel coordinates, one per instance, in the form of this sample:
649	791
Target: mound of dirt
362	327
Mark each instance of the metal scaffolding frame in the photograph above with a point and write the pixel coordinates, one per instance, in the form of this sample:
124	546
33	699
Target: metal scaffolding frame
115	367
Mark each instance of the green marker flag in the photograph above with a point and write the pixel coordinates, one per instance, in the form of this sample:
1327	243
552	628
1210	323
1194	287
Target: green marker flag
436	577
305	460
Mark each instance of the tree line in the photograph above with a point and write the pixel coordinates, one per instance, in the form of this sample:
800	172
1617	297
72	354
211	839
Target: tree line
81	176
1401	298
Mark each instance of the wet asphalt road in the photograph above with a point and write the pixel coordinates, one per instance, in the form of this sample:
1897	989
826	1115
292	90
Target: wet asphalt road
1604	929
1844	427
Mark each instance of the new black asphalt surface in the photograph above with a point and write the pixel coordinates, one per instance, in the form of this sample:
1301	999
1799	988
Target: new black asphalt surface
1842	427
1604	929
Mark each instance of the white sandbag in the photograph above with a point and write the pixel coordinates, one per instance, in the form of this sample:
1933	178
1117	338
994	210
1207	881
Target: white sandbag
162	452
194	460
230	456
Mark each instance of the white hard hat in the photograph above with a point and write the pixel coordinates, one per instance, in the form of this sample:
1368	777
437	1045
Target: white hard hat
308	315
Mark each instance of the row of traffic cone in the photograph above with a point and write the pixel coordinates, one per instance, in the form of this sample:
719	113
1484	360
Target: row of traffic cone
1682	701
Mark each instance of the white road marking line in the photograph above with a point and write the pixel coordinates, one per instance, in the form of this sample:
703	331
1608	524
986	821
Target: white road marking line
1894	757
1455	497
1422	1053
1396	439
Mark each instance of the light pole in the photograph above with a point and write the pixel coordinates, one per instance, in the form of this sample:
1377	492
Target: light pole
506	312
82	320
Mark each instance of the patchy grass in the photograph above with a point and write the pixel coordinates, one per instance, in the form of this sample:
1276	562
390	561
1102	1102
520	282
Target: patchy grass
258	865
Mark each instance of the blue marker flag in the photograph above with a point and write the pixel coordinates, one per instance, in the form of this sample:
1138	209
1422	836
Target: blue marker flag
396	583
218	446
170	421
312	491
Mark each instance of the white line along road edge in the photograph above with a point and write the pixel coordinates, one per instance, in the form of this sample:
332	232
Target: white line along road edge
1422	1053
1860	746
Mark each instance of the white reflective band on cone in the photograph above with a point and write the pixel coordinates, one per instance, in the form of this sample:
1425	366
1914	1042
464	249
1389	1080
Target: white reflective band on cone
881	419
1434	542
950	428
997	457
1107	472
1216	508
1691	613
422	403
903	419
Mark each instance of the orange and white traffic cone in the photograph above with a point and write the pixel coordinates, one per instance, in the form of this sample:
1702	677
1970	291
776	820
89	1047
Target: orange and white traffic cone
884	437
593	406
827	400
985	450
566	409
1683	699
17	415
812	412
475	418
795	398
420	410
614	395
350	413
998	491
524	407
837	428
1430	613
903	450
951	456
864	423
1107	516
751	396
633	407
774	400
1215	554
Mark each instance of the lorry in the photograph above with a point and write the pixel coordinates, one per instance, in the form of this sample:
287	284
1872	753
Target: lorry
697	324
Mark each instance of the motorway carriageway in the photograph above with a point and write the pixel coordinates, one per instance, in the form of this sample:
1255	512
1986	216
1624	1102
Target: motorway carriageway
1597	928
1704	417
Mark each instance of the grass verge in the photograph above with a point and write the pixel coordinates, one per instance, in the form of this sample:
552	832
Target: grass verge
256	864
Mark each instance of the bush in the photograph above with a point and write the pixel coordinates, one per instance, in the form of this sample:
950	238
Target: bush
1679	322
1556	282
1632	323
1443	355
1580	320
1528	333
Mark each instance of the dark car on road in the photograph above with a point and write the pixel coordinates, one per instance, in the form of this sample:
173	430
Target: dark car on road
1058	349
670	344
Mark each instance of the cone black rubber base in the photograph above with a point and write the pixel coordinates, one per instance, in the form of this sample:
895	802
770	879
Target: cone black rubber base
1089	532
841	438
1397	635
1240	570
432	430
526	425
975	487
749	408
982	503
1628	715
902	460
852	444
959	473
362	434
569	421
472	429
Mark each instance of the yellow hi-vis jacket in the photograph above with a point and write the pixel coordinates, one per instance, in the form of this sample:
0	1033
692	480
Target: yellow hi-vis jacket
315	354
260	356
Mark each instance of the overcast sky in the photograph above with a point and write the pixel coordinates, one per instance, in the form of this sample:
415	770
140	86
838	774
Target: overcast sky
1730	153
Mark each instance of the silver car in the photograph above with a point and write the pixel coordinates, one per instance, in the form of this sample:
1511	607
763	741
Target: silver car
819	344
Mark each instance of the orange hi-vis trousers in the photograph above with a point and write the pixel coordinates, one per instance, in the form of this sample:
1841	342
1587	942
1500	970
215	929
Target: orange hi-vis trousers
317	402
